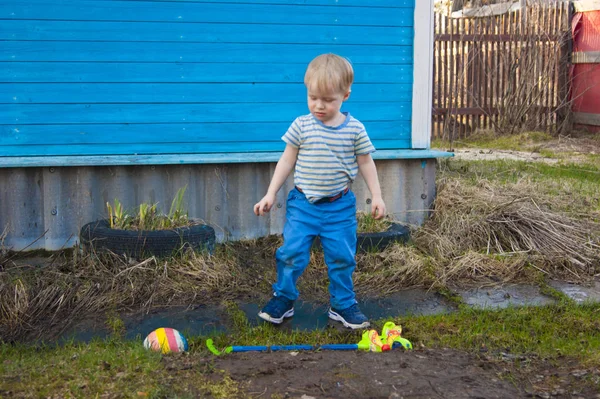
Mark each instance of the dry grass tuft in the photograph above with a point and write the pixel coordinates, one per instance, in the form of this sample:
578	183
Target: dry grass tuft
477	267
485	219
3	249
377	274
42	302
397	267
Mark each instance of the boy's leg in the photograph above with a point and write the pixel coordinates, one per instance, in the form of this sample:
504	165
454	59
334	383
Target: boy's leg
301	228
299	232
338	237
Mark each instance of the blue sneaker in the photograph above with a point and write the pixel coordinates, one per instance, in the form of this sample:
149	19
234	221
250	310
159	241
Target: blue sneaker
277	309
351	317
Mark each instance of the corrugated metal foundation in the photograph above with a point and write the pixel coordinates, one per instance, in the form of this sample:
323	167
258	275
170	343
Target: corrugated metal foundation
51	204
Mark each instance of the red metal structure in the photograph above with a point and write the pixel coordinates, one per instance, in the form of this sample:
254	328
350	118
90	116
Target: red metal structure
586	64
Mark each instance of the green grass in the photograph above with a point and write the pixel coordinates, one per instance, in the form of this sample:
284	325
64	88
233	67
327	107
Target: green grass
581	172
574	187
124	367
563	329
546	153
504	171
510	171
79	369
368	224
91	370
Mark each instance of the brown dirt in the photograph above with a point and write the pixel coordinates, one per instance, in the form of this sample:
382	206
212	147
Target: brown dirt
575	143
422	373
477	154
571	148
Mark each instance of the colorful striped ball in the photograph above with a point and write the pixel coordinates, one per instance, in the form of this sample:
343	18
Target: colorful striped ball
166	340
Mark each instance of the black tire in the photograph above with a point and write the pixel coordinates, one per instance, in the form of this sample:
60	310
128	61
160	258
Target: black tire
367	242
379	241
162	243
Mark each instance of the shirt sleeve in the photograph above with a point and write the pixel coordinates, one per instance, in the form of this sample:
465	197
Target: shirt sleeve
362	143
293	136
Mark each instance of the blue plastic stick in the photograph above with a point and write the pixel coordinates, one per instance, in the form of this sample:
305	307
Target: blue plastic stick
249	348
275	348
339	347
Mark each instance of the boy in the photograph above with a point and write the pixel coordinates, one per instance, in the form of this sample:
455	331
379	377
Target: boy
326	149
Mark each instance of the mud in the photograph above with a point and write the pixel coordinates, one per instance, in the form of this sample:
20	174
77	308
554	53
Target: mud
421	373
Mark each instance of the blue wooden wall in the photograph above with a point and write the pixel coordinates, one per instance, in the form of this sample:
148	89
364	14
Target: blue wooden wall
120	77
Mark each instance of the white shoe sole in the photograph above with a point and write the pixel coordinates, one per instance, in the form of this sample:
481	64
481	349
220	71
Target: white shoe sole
267	317
337	317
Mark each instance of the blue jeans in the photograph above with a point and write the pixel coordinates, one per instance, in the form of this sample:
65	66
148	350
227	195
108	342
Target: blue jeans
335	223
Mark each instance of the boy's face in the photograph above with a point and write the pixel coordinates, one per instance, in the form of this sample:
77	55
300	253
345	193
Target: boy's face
325	106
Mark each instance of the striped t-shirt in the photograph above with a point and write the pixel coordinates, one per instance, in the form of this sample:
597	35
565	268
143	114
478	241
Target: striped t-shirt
326	155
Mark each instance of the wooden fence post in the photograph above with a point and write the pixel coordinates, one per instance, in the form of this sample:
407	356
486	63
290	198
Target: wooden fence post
564	118
523	4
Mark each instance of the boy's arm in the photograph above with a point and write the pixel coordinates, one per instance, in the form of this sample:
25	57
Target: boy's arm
282	171
369	173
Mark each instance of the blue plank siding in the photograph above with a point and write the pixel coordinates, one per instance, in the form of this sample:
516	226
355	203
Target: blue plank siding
74	72
205	12
135	77
125	133
142	93
143	32
184	52
181	113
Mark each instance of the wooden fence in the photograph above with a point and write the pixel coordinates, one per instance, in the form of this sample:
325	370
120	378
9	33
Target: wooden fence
504	73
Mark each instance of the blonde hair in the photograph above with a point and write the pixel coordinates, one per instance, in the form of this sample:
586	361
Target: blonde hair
329	72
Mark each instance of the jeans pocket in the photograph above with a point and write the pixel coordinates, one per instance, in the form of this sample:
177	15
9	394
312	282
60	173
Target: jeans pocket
293	195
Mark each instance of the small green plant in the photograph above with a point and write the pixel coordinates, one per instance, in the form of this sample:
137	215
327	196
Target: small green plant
147	216
116	325
177	211
368	224
114	212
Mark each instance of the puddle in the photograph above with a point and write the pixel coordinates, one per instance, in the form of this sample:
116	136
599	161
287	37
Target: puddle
578	293
404	303
208	320
503	297
201	320
308	316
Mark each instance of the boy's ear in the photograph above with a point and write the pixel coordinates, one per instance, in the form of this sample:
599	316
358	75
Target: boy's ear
347	95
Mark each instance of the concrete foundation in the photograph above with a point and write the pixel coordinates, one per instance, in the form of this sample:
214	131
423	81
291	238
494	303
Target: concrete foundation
44	207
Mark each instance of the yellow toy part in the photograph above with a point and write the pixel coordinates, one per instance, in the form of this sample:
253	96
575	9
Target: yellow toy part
372	342
392	336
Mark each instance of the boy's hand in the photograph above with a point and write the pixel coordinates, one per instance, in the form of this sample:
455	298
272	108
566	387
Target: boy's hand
282	171
377	207
264	205
369	173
